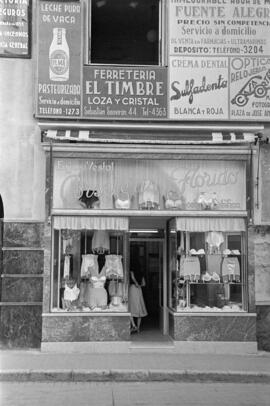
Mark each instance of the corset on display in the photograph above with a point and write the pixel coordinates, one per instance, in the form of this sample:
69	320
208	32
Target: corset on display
89	265
67	266
190	268
113	265
231	268
97	282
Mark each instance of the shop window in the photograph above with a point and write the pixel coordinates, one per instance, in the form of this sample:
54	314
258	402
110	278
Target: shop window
206	272
89	272
124	32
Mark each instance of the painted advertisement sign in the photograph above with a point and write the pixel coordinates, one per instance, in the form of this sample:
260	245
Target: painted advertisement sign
198	87
59	59
122	92
219	27
219	57
15	29
250	88
193	182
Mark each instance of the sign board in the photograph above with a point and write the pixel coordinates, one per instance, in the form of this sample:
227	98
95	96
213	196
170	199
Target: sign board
15	28
219	60
59	59
218	66
121	92
188	179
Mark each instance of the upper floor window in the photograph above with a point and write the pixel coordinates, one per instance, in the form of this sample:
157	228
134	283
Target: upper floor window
124	32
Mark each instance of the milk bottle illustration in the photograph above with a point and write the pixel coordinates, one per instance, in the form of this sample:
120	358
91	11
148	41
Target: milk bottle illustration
59	56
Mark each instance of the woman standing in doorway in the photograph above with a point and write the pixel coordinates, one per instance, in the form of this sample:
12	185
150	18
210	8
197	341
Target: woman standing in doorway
136	301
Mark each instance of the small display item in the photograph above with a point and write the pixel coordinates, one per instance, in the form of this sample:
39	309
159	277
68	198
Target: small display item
173	200
71	294
149	195
89	199
122	200
208	201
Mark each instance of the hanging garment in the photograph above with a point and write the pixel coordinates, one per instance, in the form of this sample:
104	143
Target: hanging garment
190	268
148	195
67	245
214	240
84	293
101	241
89	265
231	268
115	288
122	200
213	262
113	265
66	267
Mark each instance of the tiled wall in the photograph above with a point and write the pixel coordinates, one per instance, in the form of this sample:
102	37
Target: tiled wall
213	328
263	327
66	328
21	284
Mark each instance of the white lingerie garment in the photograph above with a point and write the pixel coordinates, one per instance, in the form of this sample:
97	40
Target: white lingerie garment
101	241
98	296
71	294
66	266
97	282
214	239
173	201
122	201
190	268
113	265
231	267
89	265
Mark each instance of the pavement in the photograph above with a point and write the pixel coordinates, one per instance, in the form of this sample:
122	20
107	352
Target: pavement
37	366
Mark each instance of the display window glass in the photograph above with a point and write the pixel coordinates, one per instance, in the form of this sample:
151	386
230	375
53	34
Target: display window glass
207	271
89	271
154	184
124	32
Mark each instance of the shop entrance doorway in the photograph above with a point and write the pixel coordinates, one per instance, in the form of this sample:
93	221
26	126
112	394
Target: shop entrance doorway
147	252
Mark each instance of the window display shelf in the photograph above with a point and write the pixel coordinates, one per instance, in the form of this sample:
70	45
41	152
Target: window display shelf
211	283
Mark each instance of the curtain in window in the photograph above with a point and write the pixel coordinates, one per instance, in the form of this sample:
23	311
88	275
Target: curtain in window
203	224
90	223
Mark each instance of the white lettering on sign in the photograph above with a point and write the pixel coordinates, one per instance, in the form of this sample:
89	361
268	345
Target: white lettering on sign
198	178
121	88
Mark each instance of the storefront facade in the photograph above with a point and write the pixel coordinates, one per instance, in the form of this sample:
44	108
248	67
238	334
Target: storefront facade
151	158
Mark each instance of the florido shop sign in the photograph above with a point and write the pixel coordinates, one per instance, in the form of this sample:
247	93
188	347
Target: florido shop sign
188	179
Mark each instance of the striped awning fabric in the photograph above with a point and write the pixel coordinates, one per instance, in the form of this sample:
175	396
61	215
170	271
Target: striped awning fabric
188	138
